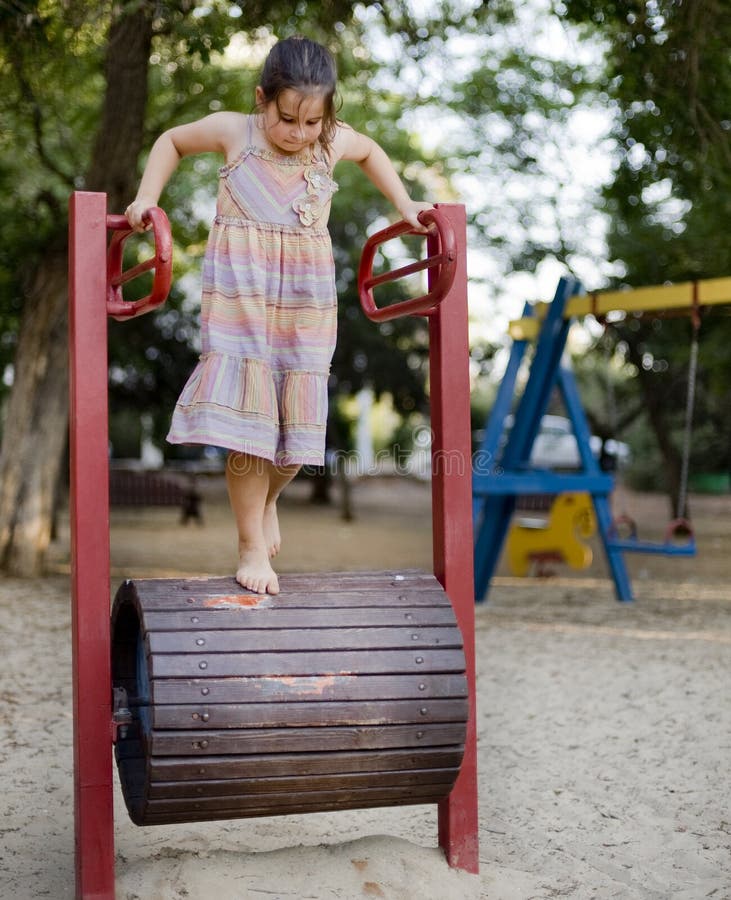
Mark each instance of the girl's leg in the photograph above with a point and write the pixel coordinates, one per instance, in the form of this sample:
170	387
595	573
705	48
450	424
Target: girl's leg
248	481
279	478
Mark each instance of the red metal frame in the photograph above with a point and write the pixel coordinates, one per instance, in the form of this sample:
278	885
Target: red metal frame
446	305
91	651
95	291
452	524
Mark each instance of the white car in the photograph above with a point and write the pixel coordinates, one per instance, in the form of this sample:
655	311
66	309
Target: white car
555	446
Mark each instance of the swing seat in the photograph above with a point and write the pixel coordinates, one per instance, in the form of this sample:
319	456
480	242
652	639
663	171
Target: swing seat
679	539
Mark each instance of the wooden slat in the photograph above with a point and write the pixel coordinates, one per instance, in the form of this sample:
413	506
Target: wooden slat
313	617
165	769
331	600
314	582
300	784
226	805
303	640
288	715
311	589
365	662
270	740
361	801
309	582
251	787
268	689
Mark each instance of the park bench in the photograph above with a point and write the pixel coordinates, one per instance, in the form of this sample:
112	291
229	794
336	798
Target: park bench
140	488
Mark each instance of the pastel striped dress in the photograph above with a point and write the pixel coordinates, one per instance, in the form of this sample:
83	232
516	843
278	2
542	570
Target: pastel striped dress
268	312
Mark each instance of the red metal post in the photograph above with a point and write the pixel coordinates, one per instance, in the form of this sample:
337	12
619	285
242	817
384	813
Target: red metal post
452	522
90	575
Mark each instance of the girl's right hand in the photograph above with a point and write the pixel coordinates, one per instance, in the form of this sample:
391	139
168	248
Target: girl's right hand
135	213
410	212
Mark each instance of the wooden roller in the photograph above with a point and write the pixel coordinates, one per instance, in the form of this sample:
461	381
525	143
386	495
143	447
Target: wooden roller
346	690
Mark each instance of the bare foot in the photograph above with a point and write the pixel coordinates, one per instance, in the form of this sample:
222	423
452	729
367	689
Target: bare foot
254	571
271	529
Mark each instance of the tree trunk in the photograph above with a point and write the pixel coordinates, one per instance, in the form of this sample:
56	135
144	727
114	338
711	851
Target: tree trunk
34	433
113	168
34	437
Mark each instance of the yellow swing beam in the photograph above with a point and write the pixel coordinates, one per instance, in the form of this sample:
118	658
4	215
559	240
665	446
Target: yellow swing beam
656	299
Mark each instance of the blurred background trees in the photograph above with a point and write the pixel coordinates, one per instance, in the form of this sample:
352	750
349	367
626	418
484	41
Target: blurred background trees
520	110
667	70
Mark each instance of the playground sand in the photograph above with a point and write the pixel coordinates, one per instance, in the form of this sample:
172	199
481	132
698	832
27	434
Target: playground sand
604	730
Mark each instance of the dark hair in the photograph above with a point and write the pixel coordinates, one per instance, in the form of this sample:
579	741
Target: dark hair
301	65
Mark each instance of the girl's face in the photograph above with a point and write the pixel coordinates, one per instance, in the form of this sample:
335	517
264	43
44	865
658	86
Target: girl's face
293	121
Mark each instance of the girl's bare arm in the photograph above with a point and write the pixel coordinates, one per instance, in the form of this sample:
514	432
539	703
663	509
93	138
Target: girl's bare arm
372	159
218	133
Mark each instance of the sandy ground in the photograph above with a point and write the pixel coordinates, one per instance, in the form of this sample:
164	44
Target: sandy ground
604	729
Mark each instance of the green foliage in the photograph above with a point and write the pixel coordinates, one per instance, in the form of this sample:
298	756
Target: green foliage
669	203
468	77
204	57
46	52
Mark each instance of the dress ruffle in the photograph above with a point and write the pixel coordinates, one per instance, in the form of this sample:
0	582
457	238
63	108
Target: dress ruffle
243	405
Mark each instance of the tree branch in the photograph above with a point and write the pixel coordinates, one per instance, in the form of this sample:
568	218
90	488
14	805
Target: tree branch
29	96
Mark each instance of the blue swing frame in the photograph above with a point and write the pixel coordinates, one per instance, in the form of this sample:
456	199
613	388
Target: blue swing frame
501	476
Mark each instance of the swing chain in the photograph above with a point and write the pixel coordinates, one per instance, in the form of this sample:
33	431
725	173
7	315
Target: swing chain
689	408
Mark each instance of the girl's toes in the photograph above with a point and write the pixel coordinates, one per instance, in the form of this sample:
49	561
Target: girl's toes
272	586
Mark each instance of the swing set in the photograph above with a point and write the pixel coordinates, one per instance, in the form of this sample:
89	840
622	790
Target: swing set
502	472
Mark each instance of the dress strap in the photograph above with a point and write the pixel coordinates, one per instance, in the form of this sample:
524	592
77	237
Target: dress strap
226	169
320	155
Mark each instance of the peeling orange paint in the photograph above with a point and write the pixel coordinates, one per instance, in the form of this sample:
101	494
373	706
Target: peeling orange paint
306	684
235	601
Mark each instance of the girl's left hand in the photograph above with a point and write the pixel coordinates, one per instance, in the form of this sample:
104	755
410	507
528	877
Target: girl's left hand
411	212
135	213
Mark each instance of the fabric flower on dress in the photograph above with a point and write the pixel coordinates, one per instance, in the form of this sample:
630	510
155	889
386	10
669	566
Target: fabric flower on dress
308	208
320	188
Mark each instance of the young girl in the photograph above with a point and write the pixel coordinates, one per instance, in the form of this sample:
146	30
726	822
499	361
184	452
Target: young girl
268	314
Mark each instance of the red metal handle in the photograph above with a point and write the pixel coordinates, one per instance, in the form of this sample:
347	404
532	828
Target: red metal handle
161	262
442	265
